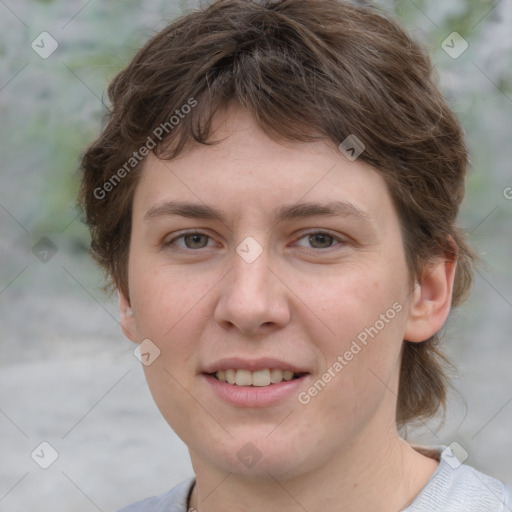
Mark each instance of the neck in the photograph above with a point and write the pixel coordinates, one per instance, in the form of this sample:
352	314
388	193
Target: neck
353	479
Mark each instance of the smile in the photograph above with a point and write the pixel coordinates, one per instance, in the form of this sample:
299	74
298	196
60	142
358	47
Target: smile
259	378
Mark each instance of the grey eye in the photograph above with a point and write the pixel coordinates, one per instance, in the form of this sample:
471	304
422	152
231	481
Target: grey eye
195	241
320	240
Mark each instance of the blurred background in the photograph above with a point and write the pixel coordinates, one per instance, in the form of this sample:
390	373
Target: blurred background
68	377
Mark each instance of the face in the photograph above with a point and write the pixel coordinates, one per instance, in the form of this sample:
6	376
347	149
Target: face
281	267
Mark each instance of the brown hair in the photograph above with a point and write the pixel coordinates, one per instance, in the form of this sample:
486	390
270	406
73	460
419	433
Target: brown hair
306	70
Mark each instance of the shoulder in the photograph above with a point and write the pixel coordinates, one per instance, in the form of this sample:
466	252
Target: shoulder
173	501
458	487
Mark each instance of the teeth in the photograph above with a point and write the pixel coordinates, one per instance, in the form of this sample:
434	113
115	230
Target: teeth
230	376
276	375
259	378
243	378
287	375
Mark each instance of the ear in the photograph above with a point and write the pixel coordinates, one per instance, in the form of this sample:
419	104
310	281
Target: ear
128	323
431	299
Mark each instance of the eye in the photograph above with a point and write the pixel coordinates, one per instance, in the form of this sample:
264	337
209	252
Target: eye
190	240
319	240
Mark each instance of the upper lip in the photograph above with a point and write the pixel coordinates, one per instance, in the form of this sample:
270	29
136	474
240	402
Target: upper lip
236	363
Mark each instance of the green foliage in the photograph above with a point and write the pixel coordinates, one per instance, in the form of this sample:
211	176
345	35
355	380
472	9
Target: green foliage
56	103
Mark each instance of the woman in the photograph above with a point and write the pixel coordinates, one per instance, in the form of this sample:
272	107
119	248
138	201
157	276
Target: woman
275	199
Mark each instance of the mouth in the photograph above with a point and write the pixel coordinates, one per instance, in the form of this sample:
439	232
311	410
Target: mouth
259	378
263	382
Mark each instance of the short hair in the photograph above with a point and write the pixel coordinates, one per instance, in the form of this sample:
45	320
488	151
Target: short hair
306	70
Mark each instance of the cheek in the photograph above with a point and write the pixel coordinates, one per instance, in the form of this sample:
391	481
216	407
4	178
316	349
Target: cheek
352	303
361	360
366	317
166	301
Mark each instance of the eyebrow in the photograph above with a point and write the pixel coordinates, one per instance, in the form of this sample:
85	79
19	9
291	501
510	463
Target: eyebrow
287	212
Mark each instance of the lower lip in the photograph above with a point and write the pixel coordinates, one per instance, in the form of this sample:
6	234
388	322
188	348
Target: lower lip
255	396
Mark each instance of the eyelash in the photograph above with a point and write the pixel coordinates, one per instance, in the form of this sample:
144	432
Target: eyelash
308	234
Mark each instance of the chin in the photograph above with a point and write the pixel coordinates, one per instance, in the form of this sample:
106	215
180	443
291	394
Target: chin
257	458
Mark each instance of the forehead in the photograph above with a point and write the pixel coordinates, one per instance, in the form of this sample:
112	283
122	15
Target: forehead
250	173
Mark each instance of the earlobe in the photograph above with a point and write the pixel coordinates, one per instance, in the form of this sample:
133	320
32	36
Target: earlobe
431	300
128	324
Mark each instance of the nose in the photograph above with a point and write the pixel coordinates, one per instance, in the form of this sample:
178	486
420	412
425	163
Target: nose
252	298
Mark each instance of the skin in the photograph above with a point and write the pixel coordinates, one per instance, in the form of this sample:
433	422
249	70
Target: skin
303	300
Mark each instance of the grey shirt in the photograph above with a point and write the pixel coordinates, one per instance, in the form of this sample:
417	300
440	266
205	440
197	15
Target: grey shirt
452	488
